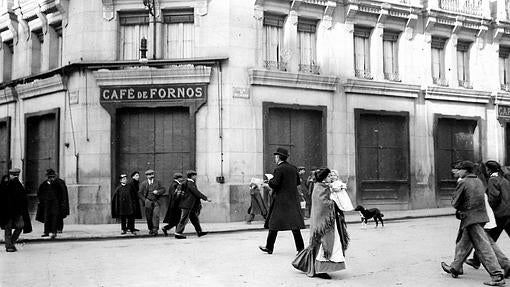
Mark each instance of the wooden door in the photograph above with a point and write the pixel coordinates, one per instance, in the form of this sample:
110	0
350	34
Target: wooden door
5	146
158	139
454	141
41	151
507	144
300	131
382	159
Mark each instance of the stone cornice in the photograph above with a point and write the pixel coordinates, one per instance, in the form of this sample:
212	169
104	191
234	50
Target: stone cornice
40	87
292	80
457	95
148	76
392	89
502	98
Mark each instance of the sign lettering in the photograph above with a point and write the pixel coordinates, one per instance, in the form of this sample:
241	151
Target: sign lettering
504	112
153	93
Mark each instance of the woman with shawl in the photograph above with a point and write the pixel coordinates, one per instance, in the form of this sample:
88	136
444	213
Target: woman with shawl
328	233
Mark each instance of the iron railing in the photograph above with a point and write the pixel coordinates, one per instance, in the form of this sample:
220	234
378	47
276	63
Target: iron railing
363	74
465	84
440	81
312	68
472	7
275	65
395	77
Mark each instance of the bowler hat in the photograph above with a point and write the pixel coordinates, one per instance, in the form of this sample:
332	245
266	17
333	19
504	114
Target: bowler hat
122	175
14	171
191	173
149	171
281	151
466	164
178	175
493	165
50	172
300	167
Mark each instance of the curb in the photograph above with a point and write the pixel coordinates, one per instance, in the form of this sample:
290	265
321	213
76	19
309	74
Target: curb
254	228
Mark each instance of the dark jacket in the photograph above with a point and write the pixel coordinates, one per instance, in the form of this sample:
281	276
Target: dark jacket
134	186
173	213
498	192
52	195
469	201
285	210
192	196
122	201
14	203
146	191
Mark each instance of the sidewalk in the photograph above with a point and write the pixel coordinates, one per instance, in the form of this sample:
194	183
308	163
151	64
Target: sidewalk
112	231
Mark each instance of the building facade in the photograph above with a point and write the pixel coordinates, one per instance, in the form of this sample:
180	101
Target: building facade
389	93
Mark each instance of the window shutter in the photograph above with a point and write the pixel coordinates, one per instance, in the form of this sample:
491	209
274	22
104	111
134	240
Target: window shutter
178	16
463	46
274	20
306	25
438	43
362	32
504	51
139	18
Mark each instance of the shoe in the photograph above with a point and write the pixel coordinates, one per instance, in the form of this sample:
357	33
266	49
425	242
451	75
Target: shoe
165	232
495	282
263	248
53	236
471	262
13	249
155	233
200	234
123	232
59	231
135	230
179	236
45	235
322	275
448	269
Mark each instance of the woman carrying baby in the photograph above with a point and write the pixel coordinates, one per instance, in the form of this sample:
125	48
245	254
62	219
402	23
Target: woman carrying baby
328	234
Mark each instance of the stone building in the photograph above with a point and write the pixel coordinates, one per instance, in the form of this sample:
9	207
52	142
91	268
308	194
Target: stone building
389	93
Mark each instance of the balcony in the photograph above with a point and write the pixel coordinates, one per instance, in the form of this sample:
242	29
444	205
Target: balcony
275	65
471	7
505	87
394	77
465	84
310	69
363	74
440	81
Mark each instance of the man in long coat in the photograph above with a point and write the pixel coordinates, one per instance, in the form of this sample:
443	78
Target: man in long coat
173	213
13	210
469	201
64	204
53	203
285	210
151	190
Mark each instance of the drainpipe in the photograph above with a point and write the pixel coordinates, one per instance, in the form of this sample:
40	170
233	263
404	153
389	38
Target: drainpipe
221	178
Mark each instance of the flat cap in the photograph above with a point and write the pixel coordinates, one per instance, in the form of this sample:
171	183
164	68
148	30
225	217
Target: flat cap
149	171
466	164
122	175
178	175
191	173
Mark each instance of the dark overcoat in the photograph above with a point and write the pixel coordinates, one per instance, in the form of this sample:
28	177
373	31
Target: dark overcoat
173	213
54	197
498	192
14	203
145	192
285	210
64	202
469	200
134	185
122	202
191	197
257	205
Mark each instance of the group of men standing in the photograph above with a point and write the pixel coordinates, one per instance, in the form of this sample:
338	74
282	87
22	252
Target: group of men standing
183	205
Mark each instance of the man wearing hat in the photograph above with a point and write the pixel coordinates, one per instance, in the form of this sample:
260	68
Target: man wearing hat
285	210
303	190
173	213
151	190
469	201
190	206
52	201
14	216
498	193
123	206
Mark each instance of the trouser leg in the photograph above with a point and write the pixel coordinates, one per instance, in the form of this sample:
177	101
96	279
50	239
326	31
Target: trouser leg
148	216
462	250
131	222
123	220
8	237
193	217
298	240
183	221
15	235
271	239
155	216
250	219
60	224
485	252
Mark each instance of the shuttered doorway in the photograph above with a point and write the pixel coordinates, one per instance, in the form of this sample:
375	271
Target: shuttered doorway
158	139
382	146
5	145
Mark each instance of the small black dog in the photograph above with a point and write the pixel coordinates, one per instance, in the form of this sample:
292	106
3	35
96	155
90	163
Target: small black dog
366	214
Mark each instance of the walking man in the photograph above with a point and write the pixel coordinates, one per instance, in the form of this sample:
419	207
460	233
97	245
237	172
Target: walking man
173	212
469	202
285	211
190	206
151	190
53	204
14	216
64	203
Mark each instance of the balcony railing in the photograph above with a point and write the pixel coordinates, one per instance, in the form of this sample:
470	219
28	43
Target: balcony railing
472	7
505	87
465	84
363	74
440	81
311	69
395	77
275	65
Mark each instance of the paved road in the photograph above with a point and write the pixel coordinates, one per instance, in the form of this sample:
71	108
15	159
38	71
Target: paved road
404	253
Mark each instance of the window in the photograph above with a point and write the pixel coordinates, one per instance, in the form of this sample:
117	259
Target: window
133	27
7	57
307	45
273	42
362	52
179	34
390	55
463	64
58	30
504	68
37	58
438	63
